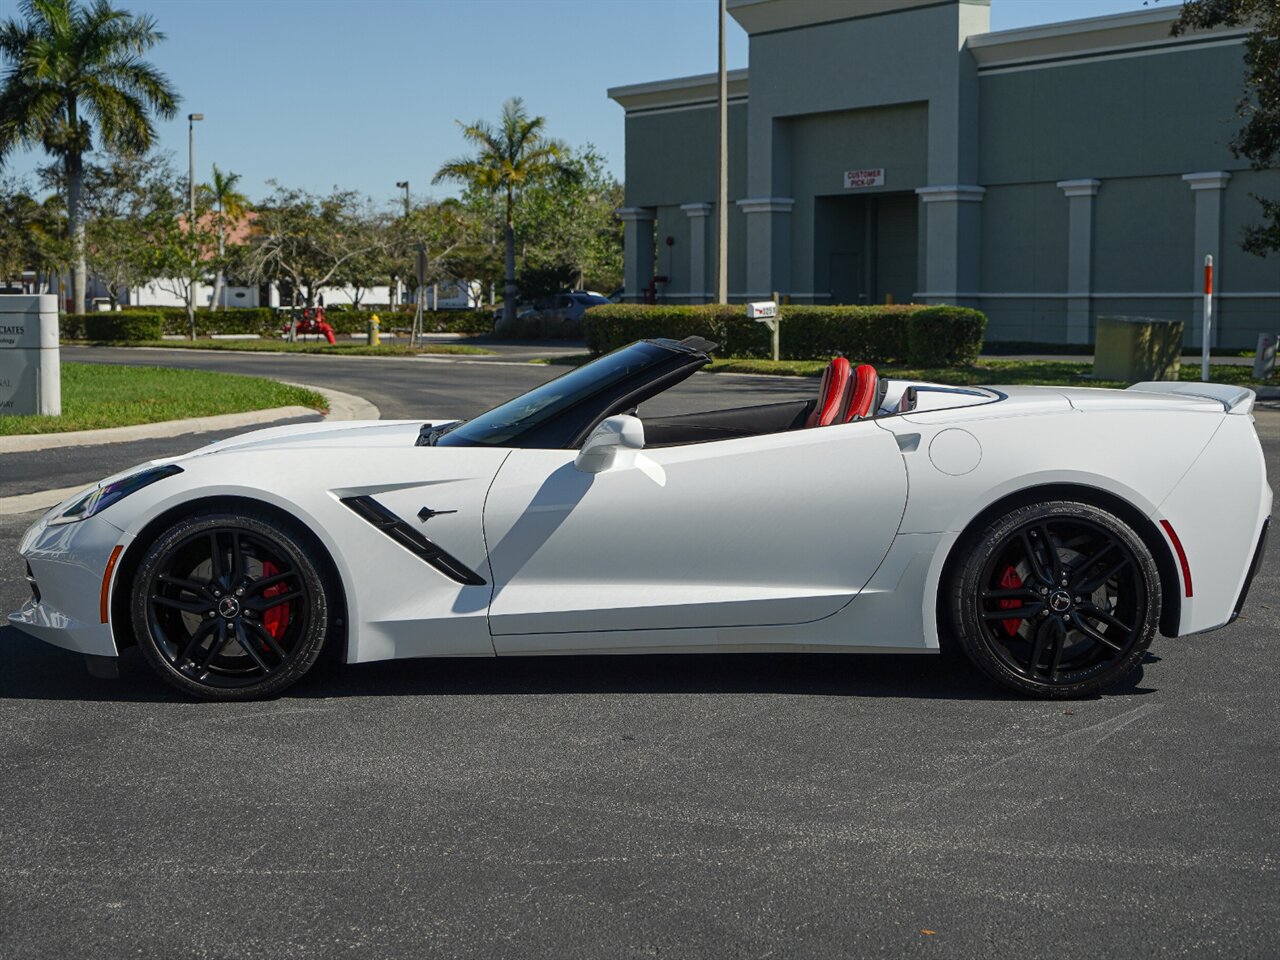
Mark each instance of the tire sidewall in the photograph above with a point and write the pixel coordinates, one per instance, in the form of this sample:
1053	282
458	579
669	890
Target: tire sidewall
309	645
966	586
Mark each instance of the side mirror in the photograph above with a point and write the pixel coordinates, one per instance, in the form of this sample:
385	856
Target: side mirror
611	436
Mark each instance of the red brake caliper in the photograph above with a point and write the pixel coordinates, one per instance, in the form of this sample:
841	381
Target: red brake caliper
275	619
1009	580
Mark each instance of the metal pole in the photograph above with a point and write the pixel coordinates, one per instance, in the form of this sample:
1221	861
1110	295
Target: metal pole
722	203
1206	338
191	219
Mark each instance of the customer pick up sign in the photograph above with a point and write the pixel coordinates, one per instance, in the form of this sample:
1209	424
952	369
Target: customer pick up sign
857	179
30	376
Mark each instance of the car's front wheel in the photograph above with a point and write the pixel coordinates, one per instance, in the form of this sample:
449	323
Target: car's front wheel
1056	599
229	606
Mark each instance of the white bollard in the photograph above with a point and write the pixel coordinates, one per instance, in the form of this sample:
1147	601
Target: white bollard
30	370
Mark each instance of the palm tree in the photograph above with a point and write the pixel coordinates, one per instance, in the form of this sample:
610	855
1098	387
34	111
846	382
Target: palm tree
74	71
511	156
230	205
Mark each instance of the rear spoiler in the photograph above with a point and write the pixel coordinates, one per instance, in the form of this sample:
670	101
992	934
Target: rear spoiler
1233	399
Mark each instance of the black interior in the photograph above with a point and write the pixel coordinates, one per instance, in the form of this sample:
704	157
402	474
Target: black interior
726	424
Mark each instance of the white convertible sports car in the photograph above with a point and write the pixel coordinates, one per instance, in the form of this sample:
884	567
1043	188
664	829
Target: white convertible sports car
1048	533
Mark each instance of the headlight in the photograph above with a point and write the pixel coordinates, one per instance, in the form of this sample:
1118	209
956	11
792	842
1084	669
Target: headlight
104	495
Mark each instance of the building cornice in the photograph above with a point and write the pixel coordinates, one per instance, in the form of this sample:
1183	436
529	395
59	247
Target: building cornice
636	213
1093	36
1079	188
767	205
697	209
679	91
955	193
773	16
1209	180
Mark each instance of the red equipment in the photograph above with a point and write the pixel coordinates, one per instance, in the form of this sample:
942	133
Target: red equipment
313	321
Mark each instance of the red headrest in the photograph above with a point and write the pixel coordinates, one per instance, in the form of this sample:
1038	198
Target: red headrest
833	394
865	384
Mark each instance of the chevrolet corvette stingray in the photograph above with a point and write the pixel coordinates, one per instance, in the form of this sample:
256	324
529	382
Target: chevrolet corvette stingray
1048	533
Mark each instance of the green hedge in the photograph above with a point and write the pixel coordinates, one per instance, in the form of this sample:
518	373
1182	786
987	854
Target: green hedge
945	336
875	334
118	326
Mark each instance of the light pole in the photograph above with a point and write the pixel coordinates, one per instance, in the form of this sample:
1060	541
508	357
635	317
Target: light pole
722	205
191	219
404	185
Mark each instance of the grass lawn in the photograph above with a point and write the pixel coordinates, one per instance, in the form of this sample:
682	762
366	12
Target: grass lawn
95	395
1055	373
355	349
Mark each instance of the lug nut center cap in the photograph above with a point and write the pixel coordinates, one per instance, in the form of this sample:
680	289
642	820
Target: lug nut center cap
1060	601
229	608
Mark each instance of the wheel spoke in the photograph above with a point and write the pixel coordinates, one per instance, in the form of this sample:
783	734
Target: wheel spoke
1033	559
237	560
1057	649
1011	593
1097	613
1054	559
1091	564
262	584
192	645
267	638
187	606
1094	634
191	586
1092	585
1017	613
1037	648
266	603
249	648
224	636
217	572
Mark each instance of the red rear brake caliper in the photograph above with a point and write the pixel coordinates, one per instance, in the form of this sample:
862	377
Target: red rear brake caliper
275	619
1009	580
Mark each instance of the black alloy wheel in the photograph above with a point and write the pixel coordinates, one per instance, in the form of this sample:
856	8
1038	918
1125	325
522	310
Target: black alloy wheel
1058	599
229	606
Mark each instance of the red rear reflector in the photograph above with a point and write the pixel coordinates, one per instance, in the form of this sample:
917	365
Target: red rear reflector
1182	554
106	580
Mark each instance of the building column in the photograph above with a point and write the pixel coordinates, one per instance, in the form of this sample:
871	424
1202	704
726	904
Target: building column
1207	188
637	245
953	236
1079	194
700	259
768	245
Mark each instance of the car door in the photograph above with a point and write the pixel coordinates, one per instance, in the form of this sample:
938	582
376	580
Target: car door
771	530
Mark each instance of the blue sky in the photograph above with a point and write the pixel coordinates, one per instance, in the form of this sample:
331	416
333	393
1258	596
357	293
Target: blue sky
362	94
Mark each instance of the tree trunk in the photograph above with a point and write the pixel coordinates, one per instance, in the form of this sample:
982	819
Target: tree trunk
75	223
218	280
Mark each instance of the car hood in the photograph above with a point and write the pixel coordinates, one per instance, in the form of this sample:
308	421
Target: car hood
342	434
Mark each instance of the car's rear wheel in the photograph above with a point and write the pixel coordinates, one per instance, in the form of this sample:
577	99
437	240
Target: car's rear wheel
1057	599
229	606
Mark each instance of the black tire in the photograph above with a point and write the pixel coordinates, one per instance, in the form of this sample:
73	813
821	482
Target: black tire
1061	621
229	606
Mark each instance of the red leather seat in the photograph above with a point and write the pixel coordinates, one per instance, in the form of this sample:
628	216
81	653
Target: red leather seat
865	390
833	395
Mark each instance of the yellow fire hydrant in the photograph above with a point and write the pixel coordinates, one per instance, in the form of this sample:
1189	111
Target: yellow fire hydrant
375	337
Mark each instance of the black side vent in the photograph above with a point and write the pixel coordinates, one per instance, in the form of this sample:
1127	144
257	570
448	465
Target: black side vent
371	510
31	582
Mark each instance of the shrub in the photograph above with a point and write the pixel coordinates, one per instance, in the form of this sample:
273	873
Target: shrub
132	326
876	334
945	336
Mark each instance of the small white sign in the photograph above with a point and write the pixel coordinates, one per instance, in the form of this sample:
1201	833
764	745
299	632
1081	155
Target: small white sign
763	310
857	179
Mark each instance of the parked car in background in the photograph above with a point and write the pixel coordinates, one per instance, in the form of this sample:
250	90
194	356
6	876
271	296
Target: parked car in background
569	308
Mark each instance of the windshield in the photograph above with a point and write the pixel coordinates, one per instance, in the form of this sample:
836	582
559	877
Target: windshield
502	425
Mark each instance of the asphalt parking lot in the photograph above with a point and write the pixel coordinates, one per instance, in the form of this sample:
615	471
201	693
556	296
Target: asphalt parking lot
747	806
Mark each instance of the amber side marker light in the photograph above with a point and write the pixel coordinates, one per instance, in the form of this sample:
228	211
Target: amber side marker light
106	580
1182	554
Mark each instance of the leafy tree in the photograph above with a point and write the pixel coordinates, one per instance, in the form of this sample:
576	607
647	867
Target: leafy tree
1259	105
228	207
31	233
76	70
509	158
134	206
443	231
306	241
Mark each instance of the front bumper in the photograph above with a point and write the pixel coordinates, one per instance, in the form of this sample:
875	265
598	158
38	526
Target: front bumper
67	562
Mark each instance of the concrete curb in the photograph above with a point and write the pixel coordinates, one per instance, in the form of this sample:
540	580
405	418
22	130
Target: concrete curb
342	406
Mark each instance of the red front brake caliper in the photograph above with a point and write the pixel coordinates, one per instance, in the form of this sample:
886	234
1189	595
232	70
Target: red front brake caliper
1009	580
274	619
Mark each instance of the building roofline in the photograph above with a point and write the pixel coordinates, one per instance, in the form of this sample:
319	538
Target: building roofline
1133	29
677	91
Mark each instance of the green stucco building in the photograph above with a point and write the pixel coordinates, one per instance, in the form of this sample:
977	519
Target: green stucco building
899	149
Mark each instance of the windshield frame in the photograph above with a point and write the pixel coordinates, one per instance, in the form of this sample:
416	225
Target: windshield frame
548	417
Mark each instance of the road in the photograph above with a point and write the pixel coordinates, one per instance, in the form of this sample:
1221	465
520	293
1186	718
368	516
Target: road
686	807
